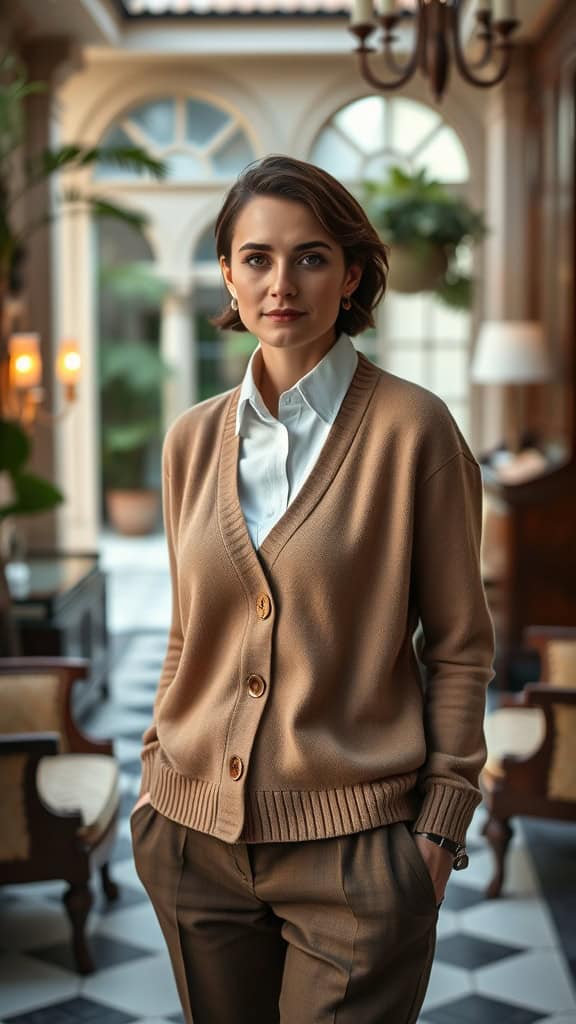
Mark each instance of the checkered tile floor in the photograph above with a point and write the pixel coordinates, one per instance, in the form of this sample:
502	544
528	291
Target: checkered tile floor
510	961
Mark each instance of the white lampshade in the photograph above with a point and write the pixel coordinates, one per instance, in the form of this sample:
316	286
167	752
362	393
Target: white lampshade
510	352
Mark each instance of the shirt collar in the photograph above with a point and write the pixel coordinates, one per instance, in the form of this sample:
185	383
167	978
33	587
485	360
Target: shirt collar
323	388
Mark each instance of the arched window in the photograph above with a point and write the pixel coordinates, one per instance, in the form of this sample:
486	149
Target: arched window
417	336
198	140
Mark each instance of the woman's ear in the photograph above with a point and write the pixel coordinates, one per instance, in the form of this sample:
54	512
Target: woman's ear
227	275
353	277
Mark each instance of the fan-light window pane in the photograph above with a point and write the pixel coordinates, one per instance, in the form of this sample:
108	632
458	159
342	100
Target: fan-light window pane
364	123
157	120
233	156
183	166
377	167
204	121
444	158
412	122
337	156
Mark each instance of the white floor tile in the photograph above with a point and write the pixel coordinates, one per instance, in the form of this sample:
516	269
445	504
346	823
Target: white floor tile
145	986
563	1018
135	924
537	979
27	984
446	983
525	922
448	923
520	878
124	873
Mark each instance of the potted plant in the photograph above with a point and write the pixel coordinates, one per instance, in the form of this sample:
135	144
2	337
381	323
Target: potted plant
131	377
424	225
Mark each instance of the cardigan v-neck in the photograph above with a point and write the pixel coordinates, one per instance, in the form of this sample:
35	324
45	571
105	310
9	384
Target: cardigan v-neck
234	528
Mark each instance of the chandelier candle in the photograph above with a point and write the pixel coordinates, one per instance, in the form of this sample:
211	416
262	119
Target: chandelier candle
362	12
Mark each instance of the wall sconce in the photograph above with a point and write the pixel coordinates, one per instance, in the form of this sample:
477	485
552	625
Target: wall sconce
26	394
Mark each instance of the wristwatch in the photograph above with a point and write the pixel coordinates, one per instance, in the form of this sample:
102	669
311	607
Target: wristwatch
457	849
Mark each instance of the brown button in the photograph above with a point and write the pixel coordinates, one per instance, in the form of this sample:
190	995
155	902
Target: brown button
236	767
256	685
263	606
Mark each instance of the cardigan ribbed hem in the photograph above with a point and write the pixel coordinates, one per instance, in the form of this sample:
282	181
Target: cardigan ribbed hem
278	816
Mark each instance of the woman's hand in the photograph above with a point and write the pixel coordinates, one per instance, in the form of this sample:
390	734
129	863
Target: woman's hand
439	863
143	799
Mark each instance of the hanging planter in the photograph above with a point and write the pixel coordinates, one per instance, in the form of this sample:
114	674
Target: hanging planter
416	267
423	224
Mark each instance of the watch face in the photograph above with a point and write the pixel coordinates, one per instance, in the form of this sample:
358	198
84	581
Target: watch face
460	861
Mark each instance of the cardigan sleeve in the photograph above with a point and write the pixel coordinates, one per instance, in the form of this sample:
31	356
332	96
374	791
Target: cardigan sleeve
458	643
175	637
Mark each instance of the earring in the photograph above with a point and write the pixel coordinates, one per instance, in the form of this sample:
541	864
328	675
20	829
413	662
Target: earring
234	303
346	302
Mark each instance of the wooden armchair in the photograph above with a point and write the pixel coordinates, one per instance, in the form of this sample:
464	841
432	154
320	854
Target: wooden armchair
59	789
531	737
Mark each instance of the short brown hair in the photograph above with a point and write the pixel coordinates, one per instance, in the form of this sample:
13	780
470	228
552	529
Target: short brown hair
339	213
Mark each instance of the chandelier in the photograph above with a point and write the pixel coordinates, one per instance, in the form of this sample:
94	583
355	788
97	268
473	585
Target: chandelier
437	41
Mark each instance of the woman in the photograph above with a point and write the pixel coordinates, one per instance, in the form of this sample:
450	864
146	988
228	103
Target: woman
307	784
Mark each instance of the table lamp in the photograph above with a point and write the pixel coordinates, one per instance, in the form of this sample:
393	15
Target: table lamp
511	352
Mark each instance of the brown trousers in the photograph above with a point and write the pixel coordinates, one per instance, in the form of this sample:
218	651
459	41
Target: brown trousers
329	931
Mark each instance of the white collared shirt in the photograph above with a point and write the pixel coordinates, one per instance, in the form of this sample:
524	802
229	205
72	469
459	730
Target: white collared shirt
276	455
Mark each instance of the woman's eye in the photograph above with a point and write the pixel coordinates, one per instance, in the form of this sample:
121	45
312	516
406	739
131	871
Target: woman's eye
314	258
255	256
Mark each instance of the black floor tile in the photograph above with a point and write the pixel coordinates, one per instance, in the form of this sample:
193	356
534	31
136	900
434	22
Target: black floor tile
481	1010
106	952
471	952
73	1011
460	897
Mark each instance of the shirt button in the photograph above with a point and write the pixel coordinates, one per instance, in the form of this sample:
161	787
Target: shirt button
256	685
236	767
263	606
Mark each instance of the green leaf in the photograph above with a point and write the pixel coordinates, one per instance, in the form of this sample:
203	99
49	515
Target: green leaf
103	208
15	446
33	495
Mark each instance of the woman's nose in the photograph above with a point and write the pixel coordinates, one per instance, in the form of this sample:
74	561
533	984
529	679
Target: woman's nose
283	281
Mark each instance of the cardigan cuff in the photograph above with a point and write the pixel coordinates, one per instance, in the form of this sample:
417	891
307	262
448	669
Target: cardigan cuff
447	811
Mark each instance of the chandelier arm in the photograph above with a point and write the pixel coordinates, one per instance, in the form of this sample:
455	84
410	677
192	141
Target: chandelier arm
404	73
466	69
380	83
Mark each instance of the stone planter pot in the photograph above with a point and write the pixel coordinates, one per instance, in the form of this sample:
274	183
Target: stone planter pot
133	513
416	268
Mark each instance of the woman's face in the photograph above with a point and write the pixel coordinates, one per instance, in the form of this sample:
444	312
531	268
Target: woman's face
287	274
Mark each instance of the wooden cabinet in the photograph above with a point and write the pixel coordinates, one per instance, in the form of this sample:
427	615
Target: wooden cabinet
529	556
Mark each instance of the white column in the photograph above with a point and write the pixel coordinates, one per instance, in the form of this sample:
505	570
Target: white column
178	347
507	216
77	435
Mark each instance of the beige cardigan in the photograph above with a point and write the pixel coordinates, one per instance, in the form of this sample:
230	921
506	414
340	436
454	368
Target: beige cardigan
291	703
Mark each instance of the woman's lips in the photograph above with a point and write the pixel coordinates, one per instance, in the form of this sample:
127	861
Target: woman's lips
282	318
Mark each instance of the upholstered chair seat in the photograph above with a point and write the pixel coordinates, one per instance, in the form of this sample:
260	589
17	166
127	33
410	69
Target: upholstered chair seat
59	789
531	768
